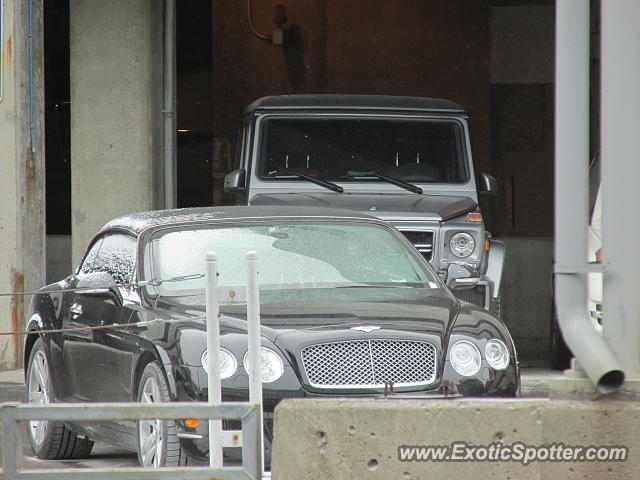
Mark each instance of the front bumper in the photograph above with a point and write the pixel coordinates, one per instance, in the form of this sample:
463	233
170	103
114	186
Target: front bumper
488	383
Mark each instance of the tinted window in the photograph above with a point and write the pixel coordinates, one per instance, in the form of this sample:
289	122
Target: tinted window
344	149
117	257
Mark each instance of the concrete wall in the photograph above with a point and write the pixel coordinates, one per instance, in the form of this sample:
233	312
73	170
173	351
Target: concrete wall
526	296
21	170
59	264
522	44
522	99
116	101
346	439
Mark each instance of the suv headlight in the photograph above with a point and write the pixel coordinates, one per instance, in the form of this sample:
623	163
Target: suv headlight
465	358
497	354
462	244
271	366
228	363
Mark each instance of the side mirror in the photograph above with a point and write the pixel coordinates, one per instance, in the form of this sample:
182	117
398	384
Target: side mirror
461	276
235	181
99	285
487	184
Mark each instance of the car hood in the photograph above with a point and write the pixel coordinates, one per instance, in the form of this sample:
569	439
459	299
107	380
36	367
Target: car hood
368	314
321	311
336	315
435	207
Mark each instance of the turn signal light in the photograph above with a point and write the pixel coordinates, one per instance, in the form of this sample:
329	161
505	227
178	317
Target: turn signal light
192	423
474	217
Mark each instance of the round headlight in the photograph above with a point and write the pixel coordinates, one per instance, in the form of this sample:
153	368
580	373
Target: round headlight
228	364
271	366
462	244
497	354
465	358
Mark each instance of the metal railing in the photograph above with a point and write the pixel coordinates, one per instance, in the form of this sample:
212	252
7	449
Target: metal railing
250	437
248	414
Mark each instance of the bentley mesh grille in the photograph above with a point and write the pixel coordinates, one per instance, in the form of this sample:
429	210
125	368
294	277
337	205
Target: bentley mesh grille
369	363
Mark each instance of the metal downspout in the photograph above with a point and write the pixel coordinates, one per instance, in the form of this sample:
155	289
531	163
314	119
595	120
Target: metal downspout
572	195
169	106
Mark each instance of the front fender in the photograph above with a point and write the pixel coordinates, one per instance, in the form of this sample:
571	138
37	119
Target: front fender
495	265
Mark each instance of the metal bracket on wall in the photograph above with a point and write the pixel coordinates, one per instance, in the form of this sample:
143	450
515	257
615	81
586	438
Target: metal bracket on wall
583	268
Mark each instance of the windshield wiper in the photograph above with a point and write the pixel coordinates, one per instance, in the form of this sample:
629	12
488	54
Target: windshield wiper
156	282
323	183
395	181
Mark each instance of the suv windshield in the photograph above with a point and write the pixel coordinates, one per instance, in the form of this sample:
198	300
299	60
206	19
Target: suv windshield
291	256
358	149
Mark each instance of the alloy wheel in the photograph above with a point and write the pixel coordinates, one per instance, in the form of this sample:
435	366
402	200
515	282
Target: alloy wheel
151	432
39	382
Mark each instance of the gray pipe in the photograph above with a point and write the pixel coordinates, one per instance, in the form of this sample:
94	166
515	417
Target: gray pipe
572	195
169	106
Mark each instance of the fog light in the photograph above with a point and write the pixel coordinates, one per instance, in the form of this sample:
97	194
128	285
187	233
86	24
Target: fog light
192	423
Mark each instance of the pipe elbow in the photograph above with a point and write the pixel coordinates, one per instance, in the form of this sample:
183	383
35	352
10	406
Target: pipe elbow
587	344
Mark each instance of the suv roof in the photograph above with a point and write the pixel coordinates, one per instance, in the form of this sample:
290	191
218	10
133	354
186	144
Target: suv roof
353	102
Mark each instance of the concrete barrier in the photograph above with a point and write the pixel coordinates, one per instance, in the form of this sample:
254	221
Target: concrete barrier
349	439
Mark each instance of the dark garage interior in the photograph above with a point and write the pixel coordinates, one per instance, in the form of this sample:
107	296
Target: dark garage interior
495	58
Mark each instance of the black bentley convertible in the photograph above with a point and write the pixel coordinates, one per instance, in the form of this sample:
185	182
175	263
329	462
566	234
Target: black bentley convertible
348	307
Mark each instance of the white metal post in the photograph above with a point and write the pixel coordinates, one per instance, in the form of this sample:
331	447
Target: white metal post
620	130
253	320
213	348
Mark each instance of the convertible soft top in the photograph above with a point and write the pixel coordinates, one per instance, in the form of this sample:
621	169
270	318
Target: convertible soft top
136	223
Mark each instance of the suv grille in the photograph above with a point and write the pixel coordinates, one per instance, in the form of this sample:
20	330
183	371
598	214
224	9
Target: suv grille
475	295
422	240
370	363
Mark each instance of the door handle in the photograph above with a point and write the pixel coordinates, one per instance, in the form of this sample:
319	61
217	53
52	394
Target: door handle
76	309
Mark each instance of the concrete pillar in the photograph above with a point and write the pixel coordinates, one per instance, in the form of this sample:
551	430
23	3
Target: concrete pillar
116	112
621	178
22	226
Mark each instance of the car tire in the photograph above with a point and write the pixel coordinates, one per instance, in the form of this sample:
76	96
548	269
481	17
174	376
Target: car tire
560	354
157	442
49	440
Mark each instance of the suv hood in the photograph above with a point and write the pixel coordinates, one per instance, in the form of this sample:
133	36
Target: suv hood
434	207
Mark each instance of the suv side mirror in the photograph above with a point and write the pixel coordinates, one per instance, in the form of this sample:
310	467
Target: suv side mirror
235	181
100	285
487	184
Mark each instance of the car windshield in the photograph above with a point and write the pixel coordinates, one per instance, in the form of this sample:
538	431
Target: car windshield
291	256
357	149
